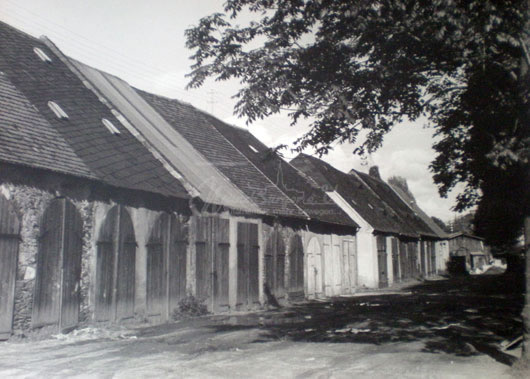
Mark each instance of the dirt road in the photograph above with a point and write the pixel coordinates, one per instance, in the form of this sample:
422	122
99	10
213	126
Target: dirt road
439	329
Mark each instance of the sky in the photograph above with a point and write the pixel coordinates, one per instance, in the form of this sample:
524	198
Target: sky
143	43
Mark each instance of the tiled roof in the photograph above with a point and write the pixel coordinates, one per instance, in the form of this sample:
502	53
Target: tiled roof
385	192
205	138
307	196
358	195
464	234
119	160
26	138
411	202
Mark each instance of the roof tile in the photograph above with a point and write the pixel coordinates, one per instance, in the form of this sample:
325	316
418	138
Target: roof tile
105	154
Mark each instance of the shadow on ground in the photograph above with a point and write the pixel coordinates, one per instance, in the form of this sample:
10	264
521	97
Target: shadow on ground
462	316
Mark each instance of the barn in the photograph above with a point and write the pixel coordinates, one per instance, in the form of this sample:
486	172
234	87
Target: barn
115	204
439	254
82	202
389	241
292	224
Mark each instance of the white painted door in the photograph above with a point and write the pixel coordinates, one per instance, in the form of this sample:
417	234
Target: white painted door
349	266
314	269
337	267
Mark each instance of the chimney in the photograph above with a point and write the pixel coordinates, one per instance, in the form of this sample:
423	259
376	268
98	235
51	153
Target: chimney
374	172
400	182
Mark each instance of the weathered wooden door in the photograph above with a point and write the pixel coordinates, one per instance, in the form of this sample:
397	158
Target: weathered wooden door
413	258
336	262
166	265
212	246
221	253
296	265
314	269
395	260
275	265
349	266
71	254
382	261
404	260
432	248
56	296
247	265
423	259
116	267
9	241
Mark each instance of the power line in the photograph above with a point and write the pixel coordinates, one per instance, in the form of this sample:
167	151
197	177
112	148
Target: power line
121	63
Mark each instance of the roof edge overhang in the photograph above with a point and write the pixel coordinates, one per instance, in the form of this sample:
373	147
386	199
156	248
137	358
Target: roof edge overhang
140	123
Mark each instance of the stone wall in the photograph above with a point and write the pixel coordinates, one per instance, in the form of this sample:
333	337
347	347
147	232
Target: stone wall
31	203
31	192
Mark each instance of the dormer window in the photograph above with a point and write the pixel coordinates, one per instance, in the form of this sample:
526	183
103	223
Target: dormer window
57	110
110	126
253	149
42	55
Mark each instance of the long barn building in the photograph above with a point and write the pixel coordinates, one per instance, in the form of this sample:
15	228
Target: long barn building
115	204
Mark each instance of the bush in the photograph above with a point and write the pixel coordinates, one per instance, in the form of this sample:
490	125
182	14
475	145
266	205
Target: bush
188	307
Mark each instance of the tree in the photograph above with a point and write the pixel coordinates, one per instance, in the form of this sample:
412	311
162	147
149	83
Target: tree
463	223
367	65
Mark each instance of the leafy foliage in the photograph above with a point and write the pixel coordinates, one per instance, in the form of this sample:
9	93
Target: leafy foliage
365	66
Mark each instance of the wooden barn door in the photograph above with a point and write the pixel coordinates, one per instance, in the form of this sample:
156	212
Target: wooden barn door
314	269
166	265
275	265
116	267
221	252
382	261
337	255
403	260
212	246
56	297
247	264
413	258
349	266
9	241
432	249
395	260
423	259
296	265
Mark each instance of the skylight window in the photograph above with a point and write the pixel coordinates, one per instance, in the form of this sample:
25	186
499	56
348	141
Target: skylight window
57	110
42	55
110	126
121	119
253	149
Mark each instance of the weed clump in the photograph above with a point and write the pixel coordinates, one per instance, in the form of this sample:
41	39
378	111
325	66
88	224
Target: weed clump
189	307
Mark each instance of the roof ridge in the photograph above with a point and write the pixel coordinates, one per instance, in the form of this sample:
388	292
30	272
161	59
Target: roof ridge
90	86
414	227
